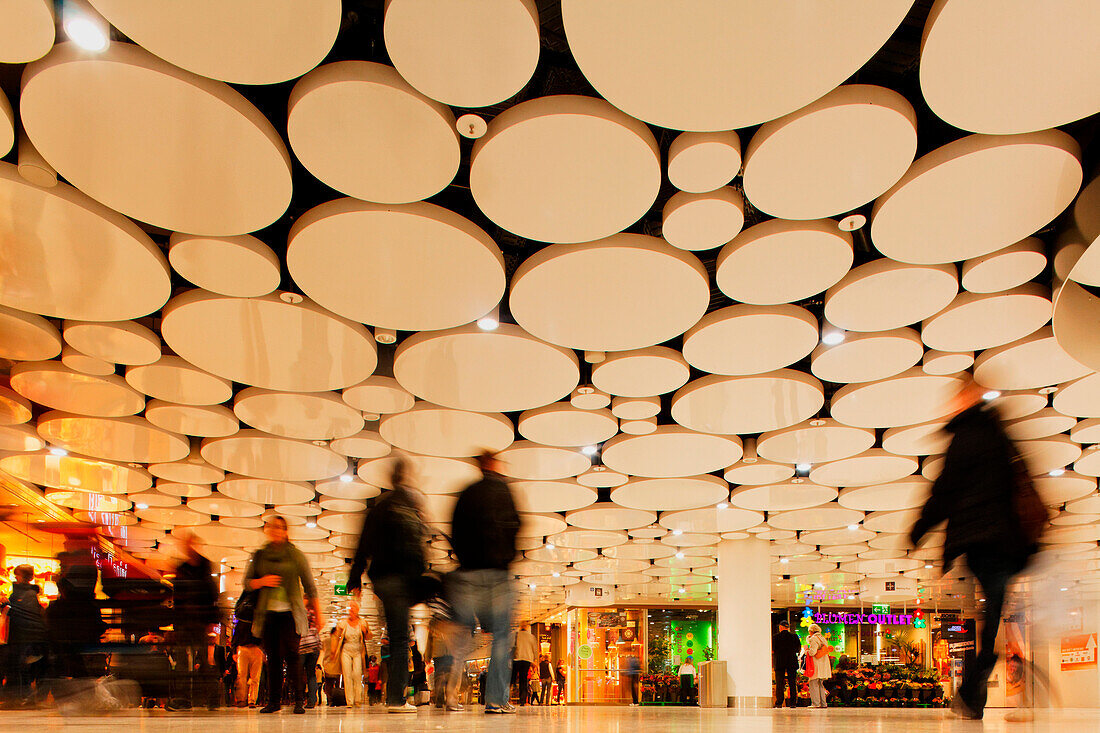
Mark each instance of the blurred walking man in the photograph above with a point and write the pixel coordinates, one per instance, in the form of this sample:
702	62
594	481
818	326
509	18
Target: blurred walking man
483	537
993	517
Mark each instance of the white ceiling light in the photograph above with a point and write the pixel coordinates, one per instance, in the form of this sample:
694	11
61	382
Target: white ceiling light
1057	472
589	450
490	321
679	556
803	467
991	395
723	505
58	451
85	27
853	527
141	506
832	338
345	478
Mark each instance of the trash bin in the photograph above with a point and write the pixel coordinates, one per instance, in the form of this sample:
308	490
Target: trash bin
712	685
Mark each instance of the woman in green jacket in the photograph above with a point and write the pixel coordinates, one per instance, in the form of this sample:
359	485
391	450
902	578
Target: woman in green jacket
280	573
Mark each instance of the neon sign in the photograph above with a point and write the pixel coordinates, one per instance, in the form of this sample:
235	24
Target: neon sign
895	619
824	595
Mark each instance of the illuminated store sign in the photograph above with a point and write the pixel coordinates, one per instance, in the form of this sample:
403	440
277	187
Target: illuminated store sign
894	619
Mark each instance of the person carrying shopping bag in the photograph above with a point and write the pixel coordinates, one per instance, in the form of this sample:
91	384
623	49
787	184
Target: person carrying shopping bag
818	650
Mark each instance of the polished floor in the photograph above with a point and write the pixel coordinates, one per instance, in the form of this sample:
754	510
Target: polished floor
573	719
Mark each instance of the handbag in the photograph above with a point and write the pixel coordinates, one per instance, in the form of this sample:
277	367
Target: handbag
245	609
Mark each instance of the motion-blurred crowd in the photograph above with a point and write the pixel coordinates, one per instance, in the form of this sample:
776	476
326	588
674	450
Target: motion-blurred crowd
272	648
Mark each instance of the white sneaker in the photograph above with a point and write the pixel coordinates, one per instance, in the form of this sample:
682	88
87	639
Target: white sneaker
406	708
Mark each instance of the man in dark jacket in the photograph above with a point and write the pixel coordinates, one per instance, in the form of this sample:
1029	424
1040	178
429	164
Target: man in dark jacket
194	611
785	648
26	650
394	540
974	493
483	537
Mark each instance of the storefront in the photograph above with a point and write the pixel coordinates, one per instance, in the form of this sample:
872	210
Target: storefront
601	645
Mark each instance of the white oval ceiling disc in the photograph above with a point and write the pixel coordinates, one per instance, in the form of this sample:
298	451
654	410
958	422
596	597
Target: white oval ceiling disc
781	261
557	293
464	54
361	129
999	81
565	169
241	266
791	173
722	65
90	115
67	256
394	266
269	342
977	195
244	41
503	370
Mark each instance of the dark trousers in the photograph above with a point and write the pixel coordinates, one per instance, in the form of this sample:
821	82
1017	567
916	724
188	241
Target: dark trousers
687	685
545	693
520	672
396	594
196	679
23	667
786	677
309	669
994	570
633	681
281	647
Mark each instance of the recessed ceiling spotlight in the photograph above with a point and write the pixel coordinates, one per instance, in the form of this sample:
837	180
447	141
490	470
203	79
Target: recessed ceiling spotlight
991	395
490	321
1048	390
292	298
803	467
311	524
677	532
853	527
141	506
817	422
58	451
680	555
589	450
556	574
928	566
85	27
320	443
784	560
723	505
851	222
1063	589
680	590
345	478
549	545
1057	472
531	586
832	337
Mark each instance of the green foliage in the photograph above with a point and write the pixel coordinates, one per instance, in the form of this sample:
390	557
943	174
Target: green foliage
659	646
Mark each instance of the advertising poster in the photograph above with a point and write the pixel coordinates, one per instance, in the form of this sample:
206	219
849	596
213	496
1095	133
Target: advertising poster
1078	652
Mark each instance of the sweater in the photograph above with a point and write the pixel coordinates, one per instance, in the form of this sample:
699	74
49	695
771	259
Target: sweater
288	562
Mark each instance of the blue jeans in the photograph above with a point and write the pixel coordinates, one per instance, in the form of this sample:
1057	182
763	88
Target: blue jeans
488	596
309	669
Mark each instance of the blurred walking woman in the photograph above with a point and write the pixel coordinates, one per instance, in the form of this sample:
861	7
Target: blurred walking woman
281	576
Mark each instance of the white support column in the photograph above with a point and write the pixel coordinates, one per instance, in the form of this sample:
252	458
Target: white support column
744	621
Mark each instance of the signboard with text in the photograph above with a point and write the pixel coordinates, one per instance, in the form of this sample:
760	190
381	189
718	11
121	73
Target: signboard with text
1078	652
